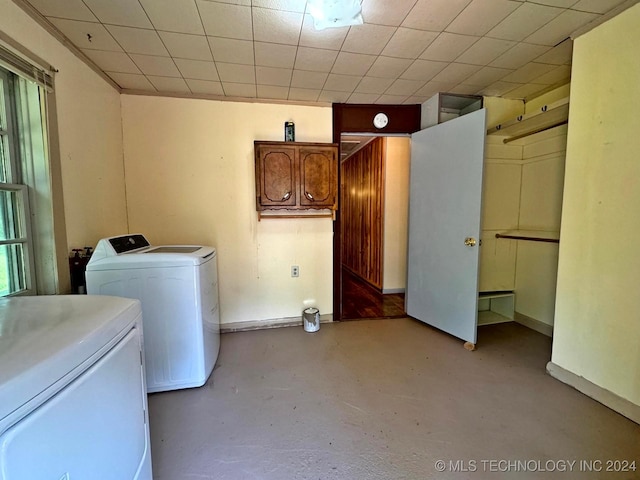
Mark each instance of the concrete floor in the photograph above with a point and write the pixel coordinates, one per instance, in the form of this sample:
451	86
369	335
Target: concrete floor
385	399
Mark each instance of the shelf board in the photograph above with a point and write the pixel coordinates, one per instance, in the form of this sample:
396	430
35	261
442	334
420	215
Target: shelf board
549	116
532	235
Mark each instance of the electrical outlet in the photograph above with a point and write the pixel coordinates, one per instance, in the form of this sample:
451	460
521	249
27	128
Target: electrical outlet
295	271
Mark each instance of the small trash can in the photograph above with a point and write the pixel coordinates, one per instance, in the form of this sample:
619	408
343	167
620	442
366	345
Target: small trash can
311	319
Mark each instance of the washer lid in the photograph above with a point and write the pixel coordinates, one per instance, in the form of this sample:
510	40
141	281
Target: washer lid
155	257
44	338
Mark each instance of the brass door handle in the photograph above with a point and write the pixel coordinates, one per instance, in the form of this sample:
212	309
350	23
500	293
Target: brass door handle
470	242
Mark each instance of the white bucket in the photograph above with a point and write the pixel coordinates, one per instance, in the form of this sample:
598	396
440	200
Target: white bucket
311	319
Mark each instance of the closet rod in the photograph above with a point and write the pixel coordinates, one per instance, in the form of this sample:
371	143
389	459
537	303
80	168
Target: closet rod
523	237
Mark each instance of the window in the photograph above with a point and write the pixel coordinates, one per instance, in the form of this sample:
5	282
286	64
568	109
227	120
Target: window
25	193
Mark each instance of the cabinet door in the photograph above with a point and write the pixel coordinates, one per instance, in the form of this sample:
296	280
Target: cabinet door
318	177
276	176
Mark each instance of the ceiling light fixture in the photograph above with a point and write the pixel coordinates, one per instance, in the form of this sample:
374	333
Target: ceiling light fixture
335	13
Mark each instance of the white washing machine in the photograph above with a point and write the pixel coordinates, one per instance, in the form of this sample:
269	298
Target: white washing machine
72	395
178	288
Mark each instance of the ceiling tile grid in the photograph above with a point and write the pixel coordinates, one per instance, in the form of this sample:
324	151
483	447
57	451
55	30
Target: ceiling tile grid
405	52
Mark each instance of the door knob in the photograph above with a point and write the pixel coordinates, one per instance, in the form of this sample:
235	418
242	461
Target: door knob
470	242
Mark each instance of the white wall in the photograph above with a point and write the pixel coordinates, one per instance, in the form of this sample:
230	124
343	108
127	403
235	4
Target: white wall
190	179
396	213
90	134
597	328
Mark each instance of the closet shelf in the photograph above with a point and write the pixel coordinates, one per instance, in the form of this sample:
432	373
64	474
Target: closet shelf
548	116
531	235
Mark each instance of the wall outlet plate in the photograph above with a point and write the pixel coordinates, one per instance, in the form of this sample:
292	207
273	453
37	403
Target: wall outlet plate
295	271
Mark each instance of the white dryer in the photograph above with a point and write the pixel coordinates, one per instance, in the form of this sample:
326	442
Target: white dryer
178	288
72	396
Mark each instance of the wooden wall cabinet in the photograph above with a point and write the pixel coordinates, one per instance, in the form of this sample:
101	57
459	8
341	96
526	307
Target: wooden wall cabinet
296	176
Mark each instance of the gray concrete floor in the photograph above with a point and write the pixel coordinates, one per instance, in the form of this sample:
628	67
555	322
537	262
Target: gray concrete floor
385	399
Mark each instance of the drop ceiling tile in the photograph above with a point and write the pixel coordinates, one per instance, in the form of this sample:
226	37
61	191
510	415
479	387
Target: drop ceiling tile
270	91
481	16
391	99
558	3
166	84
179	16
131	81
415	99
487	76
276	26
69	9
274	55
456	73
329	96
239	89
560	74
246	3
448	46
431	88
368	38
197	70
558	55
408	43
280	77
423	70
315	59
596	6
86	34
205	87
404	87
329	38
230	50
373	85
352	63
560	27
378	11
304	94
388	67
528	72
434	15
528	18
304	79
152	65
341	83
519	55
234	73
286	5
524	91
225	20
485	51
499	88
137	40
119	12
181	45
363	98
112	61
463	89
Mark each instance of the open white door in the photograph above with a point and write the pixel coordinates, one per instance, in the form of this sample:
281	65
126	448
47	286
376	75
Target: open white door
444	224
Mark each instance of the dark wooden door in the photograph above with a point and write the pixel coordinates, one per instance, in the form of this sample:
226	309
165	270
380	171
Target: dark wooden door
276	176
318	177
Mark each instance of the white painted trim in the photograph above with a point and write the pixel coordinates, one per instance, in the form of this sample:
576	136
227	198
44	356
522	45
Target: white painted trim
269	323
385	291
534	324
607	398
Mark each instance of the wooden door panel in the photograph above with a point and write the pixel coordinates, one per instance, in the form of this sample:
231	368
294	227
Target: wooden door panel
317	177
278	178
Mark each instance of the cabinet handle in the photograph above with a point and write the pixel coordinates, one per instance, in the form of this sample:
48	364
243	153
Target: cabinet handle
309	196
286	196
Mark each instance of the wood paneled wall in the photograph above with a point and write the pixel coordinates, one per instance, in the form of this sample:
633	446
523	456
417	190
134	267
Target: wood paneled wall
362	197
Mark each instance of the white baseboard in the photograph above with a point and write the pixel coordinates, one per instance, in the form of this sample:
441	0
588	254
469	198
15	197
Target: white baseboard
392	290
607	398
269	323
534	324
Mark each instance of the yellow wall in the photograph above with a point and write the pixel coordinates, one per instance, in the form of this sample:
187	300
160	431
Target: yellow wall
396	213
90	134
597	330
190	179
